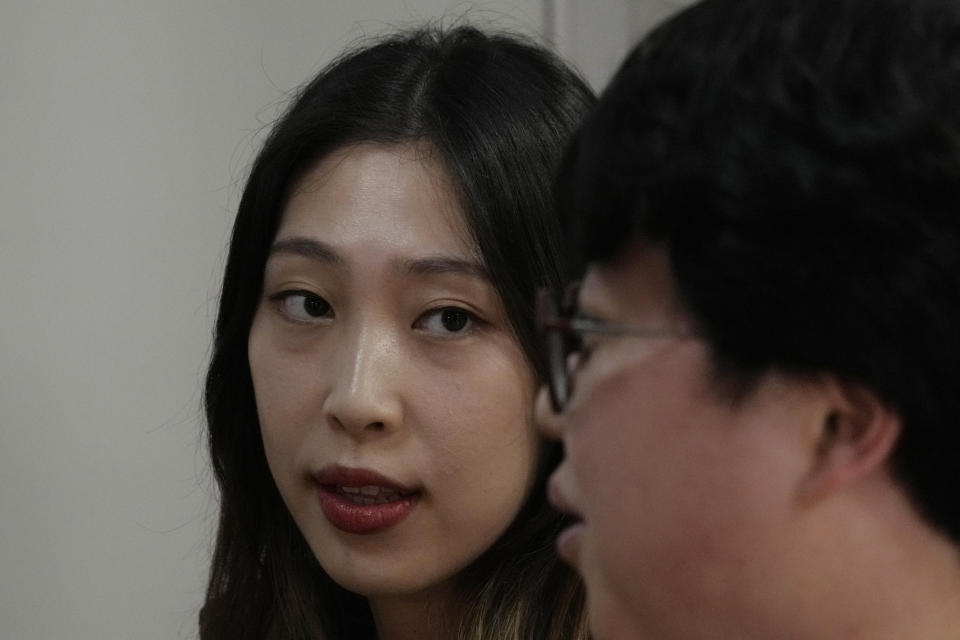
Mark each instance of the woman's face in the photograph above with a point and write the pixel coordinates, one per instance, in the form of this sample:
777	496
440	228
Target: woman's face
395	403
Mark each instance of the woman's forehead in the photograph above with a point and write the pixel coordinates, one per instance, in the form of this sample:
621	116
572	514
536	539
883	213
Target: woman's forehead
395	197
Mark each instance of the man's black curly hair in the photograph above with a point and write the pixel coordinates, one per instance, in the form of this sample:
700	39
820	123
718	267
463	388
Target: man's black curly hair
799	161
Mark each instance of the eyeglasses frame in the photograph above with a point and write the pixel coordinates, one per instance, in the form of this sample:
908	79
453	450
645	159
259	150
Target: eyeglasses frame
552	320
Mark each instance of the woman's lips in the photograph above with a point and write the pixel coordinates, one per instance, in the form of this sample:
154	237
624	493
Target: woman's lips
362	501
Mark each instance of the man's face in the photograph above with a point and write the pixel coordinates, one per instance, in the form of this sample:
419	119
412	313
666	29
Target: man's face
685	497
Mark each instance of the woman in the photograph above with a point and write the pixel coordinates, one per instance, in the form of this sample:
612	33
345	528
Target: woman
370	394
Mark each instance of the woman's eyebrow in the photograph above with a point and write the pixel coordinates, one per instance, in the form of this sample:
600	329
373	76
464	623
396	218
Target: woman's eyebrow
307	248
429	265
438	265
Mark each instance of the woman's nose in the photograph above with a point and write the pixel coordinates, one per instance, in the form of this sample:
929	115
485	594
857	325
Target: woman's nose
364	397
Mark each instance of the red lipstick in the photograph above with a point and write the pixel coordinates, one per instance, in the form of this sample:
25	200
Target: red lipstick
362	501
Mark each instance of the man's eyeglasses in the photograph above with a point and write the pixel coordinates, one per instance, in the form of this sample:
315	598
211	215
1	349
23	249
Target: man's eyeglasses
562	333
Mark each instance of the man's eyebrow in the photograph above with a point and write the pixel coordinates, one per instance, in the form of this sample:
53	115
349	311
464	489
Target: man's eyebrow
307	248
438	265
589	310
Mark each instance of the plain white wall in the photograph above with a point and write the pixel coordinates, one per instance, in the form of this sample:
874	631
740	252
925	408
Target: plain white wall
127	128
596	36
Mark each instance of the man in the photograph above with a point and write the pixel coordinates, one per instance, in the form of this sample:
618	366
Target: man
757	391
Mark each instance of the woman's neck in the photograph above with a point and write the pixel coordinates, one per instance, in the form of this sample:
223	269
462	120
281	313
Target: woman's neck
427	616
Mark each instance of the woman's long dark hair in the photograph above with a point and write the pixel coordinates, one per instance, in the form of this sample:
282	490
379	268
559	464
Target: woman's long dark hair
499	112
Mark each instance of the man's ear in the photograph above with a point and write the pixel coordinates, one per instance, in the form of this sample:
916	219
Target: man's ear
856	437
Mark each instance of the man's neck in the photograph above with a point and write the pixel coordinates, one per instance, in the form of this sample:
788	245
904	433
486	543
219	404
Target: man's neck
884	573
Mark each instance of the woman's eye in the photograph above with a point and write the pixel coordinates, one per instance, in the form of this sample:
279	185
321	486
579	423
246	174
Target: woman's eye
447	320
303	306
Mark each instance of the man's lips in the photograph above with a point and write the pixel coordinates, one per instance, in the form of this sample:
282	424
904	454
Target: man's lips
558	500
569	540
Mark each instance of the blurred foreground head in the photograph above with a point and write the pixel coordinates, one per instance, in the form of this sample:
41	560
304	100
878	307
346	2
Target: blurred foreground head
763	425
